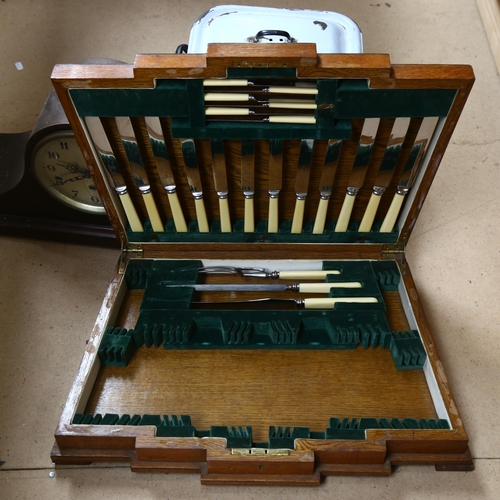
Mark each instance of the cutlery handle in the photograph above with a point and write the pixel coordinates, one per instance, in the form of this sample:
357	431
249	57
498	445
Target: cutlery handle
178	216
298	216
369	216
305	275
130	212
249	220
225	219
319	223
345	213
330	303
154	216
307	120
272	224
325	287
201	216
392	213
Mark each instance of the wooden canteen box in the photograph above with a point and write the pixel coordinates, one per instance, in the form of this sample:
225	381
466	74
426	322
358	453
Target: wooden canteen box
228	169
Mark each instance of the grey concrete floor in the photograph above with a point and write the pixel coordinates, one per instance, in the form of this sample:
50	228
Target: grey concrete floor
50	292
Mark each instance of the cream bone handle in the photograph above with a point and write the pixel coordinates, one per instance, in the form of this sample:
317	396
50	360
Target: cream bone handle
112	170
303	274
392	213
194	181
248	183
164	169
139	174
275	182
220	181
327	303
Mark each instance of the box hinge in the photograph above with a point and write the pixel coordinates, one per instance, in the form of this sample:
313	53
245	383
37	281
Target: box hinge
129	251
397	252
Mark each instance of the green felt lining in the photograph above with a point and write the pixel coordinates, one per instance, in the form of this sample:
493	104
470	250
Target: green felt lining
260	235
279	437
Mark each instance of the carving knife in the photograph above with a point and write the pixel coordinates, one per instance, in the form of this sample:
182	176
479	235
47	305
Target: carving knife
326	184
259	272
275	182
302	183
358	173
248	182
225	85
267	303
164	169
112	170
220	181
194	181
410	171
138	170
252	287
384	176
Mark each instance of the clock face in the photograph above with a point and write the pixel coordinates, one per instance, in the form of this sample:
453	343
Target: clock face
59	166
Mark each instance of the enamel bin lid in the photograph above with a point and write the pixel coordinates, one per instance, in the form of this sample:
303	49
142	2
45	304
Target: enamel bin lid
332	32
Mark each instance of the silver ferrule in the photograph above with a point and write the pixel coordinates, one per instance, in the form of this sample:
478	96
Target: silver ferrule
248	194
301	196
121	190
352	191
274	193
222	194
325	196
378	191
402	190
146	189
170	189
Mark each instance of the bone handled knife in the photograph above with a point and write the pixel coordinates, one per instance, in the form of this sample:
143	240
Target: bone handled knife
248	182
302	183
194	181
410	171
386	170
112	170
266	303
138	170
326	184
259	272
164	169
358	173
242	287
275	182
220	181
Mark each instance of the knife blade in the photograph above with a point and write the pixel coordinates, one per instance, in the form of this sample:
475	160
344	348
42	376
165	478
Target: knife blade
302	183
220	181
386	170
410	171
275	182
313	303
248	182
112	170
164	170
194	181
358	173
138	170
252	287
326	184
